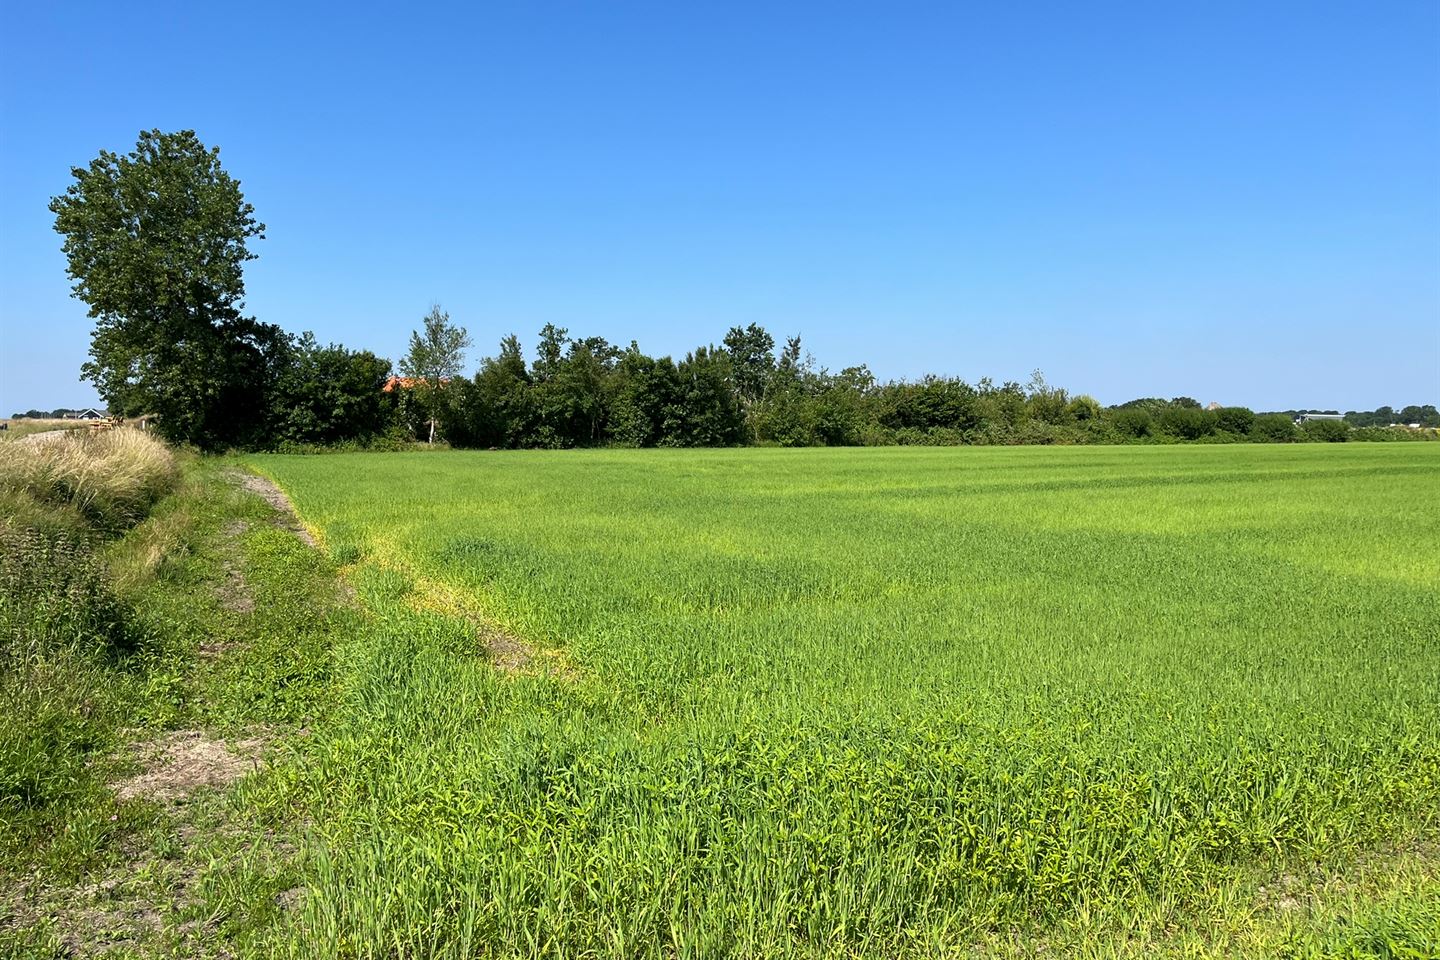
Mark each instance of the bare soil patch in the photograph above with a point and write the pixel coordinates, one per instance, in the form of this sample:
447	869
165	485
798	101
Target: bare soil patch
507	654
134	907
184	761
273	495
513	657
234	592
95	920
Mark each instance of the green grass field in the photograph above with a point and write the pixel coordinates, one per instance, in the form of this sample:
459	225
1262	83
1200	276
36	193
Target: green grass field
877	702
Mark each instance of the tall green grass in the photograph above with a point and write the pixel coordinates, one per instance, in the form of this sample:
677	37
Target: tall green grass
859	702
63	629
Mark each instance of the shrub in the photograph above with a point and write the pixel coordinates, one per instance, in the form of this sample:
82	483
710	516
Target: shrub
1037	432
787	418
1098	430
1222	436
1391	434
1234	420
1274	428
944	437
1326	431
910	437
329	395
1132	422
1187	422
927	403
1084	409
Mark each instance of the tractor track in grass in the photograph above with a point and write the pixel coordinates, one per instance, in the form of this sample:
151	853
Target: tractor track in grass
507	653
166	814
266	489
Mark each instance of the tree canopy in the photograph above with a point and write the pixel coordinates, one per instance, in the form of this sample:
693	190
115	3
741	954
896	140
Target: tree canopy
436	356
155	242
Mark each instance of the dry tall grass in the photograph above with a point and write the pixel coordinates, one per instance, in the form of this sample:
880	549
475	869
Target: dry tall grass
111	477
18	429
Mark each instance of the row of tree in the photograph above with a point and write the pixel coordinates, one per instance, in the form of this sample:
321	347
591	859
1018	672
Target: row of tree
156	241
588	392
59	413
1414	415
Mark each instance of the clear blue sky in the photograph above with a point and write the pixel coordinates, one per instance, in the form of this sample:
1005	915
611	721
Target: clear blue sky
1233	201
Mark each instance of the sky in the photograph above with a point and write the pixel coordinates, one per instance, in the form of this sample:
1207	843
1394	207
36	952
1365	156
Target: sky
1237	202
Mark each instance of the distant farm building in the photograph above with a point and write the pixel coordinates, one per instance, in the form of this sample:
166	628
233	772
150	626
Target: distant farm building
406	383
1311	417
88	414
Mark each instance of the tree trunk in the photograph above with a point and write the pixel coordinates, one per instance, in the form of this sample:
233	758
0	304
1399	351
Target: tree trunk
432	430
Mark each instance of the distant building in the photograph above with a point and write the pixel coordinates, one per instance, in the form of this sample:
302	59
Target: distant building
1308	417
1214	405
89	413
407	383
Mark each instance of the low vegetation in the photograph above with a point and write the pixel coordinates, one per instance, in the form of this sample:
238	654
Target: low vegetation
1093	702
61	626
877	703
162	633
108	479
1101	701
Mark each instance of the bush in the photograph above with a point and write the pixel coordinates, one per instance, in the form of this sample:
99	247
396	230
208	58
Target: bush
329	395
1222	436
931	402
787	418
1274	428
1234	420
1187	422
1084	409
1326	431
1037	432
1391	434
1132	422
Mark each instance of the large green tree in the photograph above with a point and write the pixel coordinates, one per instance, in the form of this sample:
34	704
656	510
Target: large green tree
156	241
752	356
501	403
329	394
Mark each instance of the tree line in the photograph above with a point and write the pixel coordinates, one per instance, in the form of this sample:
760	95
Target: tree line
59	413
585	391
156	241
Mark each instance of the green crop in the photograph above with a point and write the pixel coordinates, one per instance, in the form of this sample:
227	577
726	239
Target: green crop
858	702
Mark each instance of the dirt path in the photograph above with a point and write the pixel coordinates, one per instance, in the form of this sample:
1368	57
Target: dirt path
174	824
182	761
266	489
508	654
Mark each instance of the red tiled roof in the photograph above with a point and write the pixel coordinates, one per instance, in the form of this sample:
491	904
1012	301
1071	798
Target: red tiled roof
406	383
